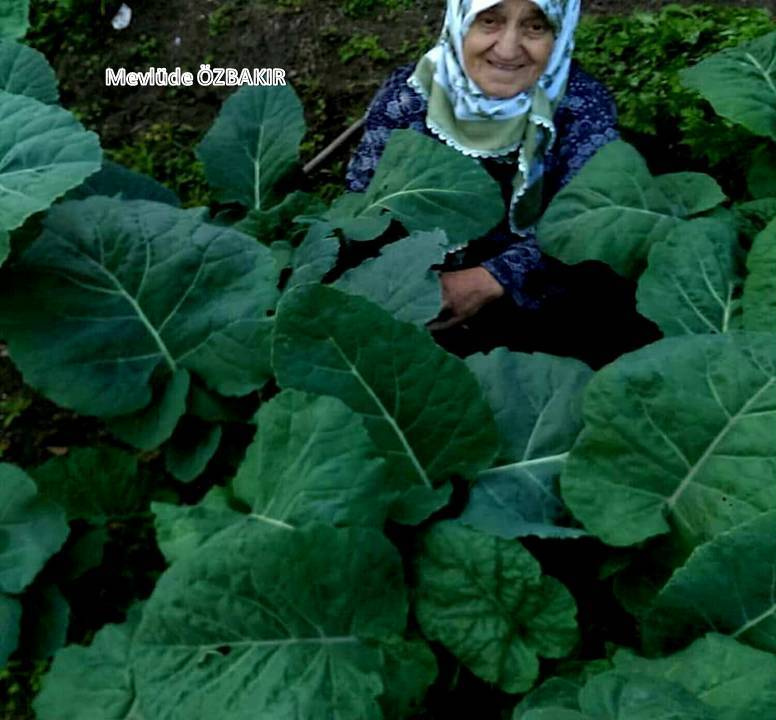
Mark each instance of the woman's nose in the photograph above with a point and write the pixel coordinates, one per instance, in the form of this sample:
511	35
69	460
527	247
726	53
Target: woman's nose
509	45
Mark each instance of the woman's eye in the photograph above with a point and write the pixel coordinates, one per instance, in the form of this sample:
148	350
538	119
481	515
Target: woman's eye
488	21
537	27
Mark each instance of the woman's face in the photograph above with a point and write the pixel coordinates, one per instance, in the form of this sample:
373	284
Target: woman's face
508	47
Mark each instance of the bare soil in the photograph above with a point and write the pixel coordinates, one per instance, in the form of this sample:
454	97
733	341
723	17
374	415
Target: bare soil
304	37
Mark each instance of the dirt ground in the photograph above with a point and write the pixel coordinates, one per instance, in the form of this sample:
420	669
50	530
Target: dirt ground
310	39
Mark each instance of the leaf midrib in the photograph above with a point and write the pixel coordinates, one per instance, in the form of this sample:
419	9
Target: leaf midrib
386	415
121	290
762	70
672	500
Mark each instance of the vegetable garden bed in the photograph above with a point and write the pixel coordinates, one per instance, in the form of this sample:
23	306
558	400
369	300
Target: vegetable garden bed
288	502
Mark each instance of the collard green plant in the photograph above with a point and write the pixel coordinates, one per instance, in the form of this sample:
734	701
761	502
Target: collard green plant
191	447
181	529
759	298
400	280
10	622
94	484
741	84
715	676
613	210
154	424
297	633
537	403
290	589
422	407
732	677
486	599
312	460
103	268
14	18
33	529
315	256
94	681
424	185
253	144
114	180
692	279
615	696
726	586
46	152
677	439
639	57
24	71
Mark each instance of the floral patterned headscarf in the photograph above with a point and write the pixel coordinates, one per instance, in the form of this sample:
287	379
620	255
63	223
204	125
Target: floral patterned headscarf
473	123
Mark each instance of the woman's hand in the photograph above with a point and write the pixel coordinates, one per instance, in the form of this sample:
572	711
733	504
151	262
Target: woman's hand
464	292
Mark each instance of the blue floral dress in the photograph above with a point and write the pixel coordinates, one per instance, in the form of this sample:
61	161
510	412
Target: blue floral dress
585	120
586	310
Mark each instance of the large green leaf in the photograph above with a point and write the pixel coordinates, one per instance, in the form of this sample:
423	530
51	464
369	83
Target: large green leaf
752	217
191	448
759	299
252	144
10	622
537	403
486	600
410	667
621	696
116	290
678	435
181	529
422	406
95	483
45	621
312	460
726	585
45	152
24	71
690	192
740	83
149	427
692	276
424	185
32	529
114	180
613	209
555	693
314	257
95	682
346	214
760	179
400	279
14	18
277	223
735	679
552	713
268	622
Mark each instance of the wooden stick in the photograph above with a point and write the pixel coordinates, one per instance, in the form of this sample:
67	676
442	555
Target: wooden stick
333	146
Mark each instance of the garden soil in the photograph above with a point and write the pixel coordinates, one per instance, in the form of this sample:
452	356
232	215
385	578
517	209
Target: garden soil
335	61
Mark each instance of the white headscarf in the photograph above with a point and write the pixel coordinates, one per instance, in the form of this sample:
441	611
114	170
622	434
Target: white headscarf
476	124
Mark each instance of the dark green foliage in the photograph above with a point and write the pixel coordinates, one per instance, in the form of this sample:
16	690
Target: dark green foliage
286	593
639	58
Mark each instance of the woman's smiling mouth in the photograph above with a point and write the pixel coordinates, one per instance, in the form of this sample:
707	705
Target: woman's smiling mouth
507	67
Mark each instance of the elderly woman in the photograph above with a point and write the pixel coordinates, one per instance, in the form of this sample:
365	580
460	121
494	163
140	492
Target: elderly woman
501	86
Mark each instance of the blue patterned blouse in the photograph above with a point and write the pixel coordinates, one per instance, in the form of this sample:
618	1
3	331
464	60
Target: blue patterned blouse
585	120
